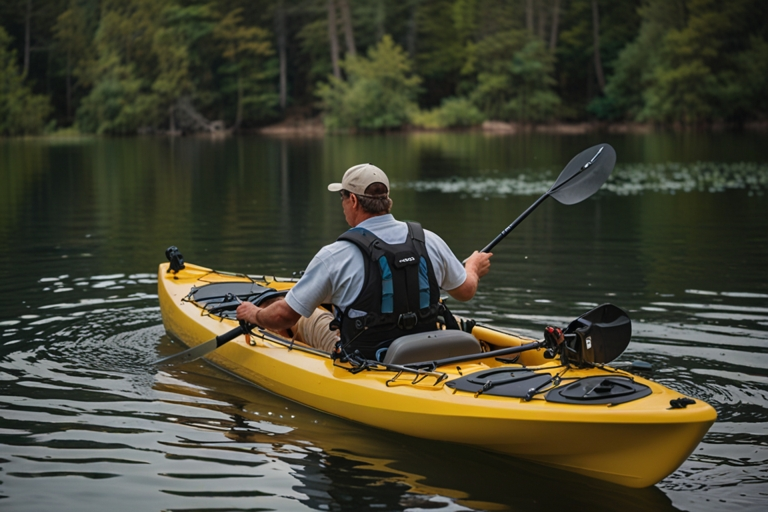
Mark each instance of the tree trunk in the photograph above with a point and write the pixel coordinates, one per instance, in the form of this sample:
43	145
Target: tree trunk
541	19
381	16
334	38
69	85
27	39
413	29
184	108
529	16
239	115
596	39
555	22
171	121
281	51
349	35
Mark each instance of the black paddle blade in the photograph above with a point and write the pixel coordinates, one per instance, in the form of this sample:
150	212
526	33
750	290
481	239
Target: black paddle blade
190	354
599	336
205	348
584	174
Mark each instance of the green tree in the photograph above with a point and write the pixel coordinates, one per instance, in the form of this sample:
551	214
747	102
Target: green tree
378	93
71	35
489	59
683	83
245	49
177	48
633	74
533	98
694	61
122	100
578	82
520	88
128	65
440	52
119	102
453	112
312	49
21	111
747	92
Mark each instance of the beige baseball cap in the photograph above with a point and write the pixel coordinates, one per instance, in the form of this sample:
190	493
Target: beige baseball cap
358	177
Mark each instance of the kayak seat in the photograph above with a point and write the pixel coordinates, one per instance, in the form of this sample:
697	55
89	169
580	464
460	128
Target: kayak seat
431	346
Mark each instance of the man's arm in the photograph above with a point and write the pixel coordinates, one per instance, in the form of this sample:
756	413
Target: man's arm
476	267
275	317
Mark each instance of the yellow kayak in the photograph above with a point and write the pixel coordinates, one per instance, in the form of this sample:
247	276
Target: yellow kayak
594	420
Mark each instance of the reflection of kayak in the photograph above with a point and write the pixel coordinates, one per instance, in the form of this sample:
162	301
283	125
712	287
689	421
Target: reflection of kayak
597	421
330	456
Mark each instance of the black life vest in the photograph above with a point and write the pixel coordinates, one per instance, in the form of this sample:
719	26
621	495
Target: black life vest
400	294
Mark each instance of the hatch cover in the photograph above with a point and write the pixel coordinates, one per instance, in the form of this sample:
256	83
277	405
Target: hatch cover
509	382
599	390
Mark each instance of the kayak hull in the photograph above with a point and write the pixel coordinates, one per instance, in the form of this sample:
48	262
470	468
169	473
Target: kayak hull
635	444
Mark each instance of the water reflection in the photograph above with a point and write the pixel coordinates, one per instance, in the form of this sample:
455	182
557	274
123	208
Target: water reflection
341	466
84	406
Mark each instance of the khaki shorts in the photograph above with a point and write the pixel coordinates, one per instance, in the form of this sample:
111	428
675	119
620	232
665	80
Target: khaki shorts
315	331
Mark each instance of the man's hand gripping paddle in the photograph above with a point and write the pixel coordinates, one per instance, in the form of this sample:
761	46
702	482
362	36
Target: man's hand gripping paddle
209	346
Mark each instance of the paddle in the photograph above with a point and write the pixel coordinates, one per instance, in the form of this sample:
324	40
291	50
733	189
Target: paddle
597	337
209	346
581	178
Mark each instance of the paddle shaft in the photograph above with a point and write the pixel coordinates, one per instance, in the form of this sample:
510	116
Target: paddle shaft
512	226
205	348
230	335
556	187
481	355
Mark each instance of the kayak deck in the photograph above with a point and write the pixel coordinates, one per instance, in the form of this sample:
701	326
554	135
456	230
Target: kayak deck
635	443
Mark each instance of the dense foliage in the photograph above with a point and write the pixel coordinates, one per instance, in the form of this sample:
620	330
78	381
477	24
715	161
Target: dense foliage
128	66
379	92
21	111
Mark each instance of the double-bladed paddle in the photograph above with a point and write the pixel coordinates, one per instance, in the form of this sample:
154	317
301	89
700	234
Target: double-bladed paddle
582	177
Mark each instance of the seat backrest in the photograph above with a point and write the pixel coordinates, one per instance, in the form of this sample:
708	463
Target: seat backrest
431	346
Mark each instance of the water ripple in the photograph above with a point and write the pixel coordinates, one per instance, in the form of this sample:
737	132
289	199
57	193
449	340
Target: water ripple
77	382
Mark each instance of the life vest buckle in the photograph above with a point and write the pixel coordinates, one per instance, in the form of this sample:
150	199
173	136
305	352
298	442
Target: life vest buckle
407	321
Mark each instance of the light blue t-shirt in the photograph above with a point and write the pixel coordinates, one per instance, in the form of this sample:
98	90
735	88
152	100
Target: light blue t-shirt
336	273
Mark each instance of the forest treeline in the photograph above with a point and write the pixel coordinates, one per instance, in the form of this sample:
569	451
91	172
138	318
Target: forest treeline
144	66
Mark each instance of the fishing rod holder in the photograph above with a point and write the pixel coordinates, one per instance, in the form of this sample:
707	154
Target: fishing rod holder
176	259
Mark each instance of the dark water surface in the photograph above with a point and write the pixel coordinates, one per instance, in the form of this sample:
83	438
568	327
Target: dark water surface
678	237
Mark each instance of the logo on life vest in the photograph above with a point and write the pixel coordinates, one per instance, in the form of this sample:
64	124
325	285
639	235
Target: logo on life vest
407	260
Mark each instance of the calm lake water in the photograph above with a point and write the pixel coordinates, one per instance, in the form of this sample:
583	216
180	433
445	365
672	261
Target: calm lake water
678	237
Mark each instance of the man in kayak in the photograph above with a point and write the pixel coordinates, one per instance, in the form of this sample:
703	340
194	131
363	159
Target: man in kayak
382	276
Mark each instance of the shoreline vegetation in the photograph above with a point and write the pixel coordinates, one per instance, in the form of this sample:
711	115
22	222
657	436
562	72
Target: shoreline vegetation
308	67
314	128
